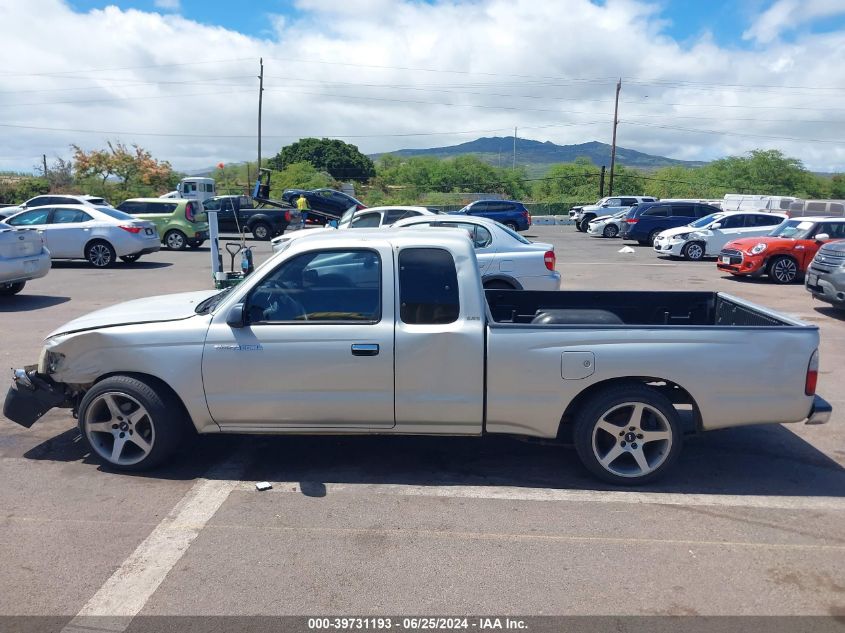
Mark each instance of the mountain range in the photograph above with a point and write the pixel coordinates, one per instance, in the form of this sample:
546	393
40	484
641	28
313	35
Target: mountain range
536	156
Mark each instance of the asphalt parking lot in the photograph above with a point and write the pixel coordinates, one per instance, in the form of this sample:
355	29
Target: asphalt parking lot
752	521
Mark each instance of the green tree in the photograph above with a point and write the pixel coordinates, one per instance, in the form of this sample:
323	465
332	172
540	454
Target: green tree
300	175
342	160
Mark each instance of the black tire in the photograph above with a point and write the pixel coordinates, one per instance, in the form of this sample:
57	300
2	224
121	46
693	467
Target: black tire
130	259
611	230
585	221
652	236
261	231
162	428
783	270
512	226
597	413
100	254
195	243
175	240
693	251
497	284
7	290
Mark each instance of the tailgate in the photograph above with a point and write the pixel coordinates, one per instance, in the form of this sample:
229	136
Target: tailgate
20	243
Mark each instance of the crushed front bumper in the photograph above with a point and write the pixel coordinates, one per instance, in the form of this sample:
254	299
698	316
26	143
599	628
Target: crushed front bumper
819	412
31	396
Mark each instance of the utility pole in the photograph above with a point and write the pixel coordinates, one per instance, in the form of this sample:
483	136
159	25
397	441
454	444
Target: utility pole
44	162
514	148
613	147
601	183
260	99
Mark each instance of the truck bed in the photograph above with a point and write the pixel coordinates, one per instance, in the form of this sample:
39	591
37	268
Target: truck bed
625	308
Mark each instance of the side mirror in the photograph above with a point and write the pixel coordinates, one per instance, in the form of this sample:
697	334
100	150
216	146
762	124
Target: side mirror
821	237
718	225
236	318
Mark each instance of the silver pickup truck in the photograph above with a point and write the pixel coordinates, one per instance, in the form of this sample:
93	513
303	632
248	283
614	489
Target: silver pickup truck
390	331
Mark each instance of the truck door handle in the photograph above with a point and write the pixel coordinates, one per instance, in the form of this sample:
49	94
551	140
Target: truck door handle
365	349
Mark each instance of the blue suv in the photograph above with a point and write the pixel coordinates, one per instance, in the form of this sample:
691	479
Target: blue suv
645	220
512	214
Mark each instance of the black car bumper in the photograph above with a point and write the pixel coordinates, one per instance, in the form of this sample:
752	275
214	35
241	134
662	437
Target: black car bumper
31	396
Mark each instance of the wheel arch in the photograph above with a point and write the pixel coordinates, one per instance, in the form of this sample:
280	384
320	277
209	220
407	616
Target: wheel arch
159	384
503	278
672	390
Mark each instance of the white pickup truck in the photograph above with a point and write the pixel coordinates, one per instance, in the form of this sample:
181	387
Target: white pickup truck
390	331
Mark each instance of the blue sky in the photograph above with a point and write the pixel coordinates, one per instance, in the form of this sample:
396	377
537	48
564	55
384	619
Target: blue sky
701	78
685	20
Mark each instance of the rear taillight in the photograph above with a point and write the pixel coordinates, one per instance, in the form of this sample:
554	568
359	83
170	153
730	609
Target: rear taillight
287	216
130	229
812	375
631	220
550	260
527	216
189	212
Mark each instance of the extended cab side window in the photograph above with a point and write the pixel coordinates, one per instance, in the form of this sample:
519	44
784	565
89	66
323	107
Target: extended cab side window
428	286
331	286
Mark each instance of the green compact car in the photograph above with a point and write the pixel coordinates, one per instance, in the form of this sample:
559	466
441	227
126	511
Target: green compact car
181	223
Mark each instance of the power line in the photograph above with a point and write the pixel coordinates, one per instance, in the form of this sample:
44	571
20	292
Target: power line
99	70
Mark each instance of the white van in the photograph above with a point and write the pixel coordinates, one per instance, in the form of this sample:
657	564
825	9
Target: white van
743	202
194	188
802	208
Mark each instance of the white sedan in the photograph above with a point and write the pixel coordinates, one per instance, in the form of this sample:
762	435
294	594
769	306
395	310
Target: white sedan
23	256
375	217
97	234
507	260
706	236
607	225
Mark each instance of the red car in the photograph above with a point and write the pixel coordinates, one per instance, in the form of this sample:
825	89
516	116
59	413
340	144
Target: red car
785	253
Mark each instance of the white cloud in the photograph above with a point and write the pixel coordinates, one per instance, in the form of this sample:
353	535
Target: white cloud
788	15
168	5
546	67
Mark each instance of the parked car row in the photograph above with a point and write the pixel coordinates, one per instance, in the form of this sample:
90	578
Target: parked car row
506	259
766	242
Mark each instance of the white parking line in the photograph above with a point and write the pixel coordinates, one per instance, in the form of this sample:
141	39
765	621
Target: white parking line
835	504
129	588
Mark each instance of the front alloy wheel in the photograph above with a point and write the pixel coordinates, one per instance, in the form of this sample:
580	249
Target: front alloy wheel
694	251
783	270
129	423
611	230
119	429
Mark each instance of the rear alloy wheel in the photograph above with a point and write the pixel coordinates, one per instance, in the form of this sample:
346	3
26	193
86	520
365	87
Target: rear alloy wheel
100	254
128	425
175	240
130	259
261	231
783	270
611	230
512	226
628	434
694	251
7	290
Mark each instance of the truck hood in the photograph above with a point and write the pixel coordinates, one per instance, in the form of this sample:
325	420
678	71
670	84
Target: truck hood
148	310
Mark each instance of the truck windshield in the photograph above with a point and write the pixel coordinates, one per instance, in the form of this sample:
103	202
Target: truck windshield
793	229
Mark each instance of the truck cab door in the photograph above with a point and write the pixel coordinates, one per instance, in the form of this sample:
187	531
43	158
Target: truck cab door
314	351
440	323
